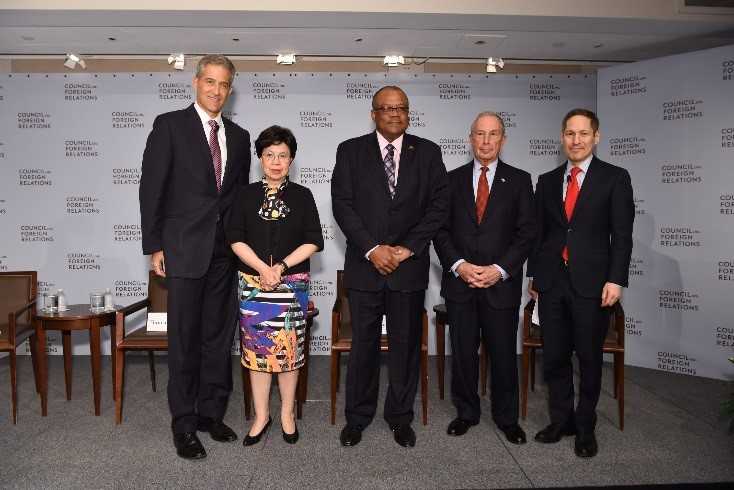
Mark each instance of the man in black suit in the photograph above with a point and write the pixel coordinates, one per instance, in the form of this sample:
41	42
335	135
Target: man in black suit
482	246
579	265
194	162
389	197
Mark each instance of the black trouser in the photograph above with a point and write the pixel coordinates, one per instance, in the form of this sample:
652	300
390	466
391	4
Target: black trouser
570	322
404	329
201	325
498	330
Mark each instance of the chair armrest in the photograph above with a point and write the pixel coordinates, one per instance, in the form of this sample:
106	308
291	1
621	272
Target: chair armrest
24	308
122	313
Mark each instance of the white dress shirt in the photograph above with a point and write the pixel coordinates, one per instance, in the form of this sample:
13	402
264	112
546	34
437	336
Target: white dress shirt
221	136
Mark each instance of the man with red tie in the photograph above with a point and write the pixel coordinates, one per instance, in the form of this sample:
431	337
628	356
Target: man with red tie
482	247
579	265
195	161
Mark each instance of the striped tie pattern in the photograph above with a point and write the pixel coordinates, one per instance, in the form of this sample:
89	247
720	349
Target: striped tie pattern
389	162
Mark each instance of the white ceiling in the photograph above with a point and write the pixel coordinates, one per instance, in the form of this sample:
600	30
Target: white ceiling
420	35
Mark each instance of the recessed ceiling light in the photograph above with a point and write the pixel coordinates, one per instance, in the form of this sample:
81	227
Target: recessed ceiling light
235	39
598	45
358	40
112	39
480	42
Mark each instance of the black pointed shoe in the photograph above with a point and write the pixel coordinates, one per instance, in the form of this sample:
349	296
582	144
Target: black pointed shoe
514	434
250	440
403	434
350	435
291	438
554	432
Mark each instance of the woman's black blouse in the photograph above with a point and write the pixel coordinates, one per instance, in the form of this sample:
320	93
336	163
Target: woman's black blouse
279	238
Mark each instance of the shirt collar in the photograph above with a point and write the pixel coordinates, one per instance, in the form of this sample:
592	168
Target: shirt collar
205	117
584	166
478	165
397	142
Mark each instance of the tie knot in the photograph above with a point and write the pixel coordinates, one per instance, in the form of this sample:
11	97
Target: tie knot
214	125
484	169
575	171
390	149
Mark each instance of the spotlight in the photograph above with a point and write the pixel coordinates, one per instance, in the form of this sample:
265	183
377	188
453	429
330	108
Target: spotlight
72	60
178	60
493	65
286	59
393	61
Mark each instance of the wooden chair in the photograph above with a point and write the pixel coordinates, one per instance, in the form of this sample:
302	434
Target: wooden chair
613	344
302	386
441	321
341	341
18	307
141	338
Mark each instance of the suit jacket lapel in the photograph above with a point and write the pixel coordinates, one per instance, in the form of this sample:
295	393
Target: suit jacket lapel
407	156
197	133
556	194
587	188
466	190
231	169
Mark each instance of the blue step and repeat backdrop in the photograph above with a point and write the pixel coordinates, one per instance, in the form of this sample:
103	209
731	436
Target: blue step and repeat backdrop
71	146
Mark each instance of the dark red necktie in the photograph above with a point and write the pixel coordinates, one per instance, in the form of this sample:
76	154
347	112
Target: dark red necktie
482	194
572	194
216	152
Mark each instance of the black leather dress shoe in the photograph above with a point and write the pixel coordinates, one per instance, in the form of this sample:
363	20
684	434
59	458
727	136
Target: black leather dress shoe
188	446
459	427
351	435
403	434
250	440
514	434
585	445
218	430
291	438
554	432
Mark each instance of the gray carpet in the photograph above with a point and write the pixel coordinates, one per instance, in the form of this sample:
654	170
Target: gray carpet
673	433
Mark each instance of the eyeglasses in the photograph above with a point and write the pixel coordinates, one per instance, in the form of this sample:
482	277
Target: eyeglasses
270	156
392	109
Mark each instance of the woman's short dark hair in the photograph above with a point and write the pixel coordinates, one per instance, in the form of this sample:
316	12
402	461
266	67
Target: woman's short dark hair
275	135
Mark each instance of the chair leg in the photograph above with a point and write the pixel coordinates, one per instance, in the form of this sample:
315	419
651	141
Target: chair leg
33	342
619	386
334	383
338	370
119	379
151	363
246	390
524	387
13	385
532	369
424	385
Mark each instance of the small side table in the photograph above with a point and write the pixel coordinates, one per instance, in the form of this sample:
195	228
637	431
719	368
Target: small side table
77	317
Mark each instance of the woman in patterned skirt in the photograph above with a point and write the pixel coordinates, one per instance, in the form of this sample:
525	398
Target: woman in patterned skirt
274	229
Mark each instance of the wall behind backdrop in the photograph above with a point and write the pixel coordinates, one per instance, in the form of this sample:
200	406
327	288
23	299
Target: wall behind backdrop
670	122
71	148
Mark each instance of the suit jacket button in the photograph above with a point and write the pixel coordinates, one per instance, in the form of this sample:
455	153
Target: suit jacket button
570	230
218	217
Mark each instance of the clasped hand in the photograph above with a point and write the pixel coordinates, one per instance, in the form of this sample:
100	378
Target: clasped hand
387	258
270	277
479	276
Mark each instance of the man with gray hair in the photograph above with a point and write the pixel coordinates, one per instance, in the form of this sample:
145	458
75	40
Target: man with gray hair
194	162
482	247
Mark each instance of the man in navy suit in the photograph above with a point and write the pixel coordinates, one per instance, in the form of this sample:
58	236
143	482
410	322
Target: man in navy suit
580	263
482	246
389	197
194	162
